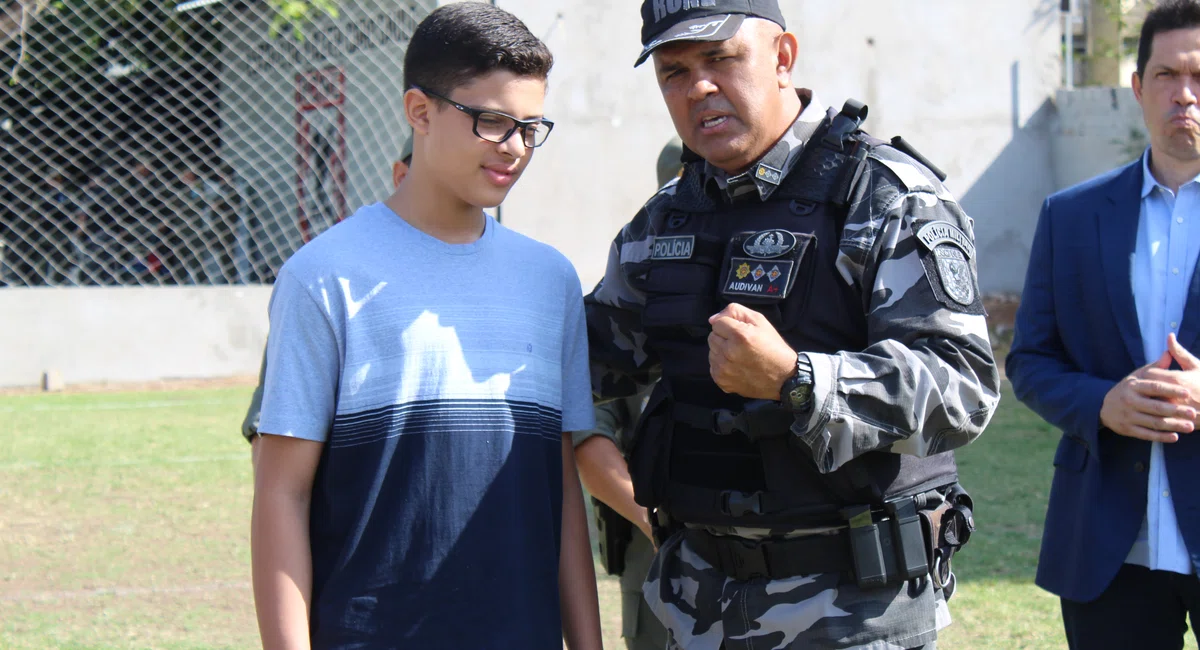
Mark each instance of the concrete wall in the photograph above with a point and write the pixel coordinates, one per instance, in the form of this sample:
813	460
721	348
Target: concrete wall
130	333
1097	129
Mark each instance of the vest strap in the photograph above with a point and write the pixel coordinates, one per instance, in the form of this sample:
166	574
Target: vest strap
744	559
683	502
761	419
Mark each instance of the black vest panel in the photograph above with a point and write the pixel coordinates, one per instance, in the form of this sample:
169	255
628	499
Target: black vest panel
687	466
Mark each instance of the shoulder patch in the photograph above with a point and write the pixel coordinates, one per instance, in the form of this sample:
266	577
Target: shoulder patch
948	256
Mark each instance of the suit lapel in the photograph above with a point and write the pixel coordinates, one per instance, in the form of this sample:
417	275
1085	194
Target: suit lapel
1117	223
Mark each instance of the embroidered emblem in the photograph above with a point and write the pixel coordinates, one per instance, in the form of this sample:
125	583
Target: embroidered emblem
759	272
743	271
774	273
954	271
769	243
952	251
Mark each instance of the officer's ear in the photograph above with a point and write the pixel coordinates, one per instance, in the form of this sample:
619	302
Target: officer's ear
787	49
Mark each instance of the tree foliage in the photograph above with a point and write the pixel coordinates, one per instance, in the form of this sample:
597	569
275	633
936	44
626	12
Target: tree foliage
53	39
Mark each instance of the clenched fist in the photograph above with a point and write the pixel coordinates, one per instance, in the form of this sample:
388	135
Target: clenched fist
746	355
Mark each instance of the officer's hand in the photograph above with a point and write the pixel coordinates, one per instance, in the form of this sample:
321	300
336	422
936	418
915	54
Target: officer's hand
746	355
1146	406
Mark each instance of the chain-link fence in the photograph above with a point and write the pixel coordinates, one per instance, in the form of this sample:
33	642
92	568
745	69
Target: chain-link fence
199	142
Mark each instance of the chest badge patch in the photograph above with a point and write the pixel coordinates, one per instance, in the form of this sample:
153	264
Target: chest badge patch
679	247
752	277
769	244
952	251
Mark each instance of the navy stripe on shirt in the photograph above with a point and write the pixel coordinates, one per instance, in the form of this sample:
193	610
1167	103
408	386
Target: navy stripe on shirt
438	415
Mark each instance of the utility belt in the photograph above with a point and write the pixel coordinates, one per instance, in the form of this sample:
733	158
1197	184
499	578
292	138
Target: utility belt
878	547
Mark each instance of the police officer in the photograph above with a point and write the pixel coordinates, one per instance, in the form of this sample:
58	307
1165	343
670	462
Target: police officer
808	295
599	454
250	422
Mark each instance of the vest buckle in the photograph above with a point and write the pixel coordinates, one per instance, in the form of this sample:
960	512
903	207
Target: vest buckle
726	422
740	504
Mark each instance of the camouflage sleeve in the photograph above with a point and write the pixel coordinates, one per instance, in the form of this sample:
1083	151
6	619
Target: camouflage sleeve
615	420
250	422
611	418
927	381
621	363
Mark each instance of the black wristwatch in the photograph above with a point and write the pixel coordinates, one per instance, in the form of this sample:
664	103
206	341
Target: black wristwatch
796	392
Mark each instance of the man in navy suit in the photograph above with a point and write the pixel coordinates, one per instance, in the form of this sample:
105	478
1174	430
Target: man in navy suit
1110	310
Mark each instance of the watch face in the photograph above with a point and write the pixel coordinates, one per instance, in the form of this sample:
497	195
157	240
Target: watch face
799	395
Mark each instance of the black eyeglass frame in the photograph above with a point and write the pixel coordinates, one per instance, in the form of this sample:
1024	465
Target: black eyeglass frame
521	125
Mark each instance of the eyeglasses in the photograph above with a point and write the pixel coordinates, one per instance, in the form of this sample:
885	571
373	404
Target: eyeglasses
498	127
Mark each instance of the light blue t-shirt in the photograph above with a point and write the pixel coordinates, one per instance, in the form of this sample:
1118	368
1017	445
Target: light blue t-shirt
440	378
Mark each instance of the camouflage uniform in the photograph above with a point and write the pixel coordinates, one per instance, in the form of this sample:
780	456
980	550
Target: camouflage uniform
927	368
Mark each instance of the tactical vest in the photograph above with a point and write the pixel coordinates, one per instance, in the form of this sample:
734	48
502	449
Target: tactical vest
693	457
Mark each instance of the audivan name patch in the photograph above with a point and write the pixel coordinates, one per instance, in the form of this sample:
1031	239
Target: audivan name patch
752	277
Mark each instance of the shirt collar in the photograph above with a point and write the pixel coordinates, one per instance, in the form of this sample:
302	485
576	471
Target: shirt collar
765	175
1149	182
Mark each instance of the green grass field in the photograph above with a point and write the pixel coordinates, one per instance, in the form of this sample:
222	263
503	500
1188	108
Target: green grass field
124	523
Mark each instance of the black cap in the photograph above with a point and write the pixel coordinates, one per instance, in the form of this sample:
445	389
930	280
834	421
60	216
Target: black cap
666	21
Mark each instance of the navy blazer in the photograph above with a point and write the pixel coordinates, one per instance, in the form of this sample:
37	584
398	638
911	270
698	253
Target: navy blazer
1077	334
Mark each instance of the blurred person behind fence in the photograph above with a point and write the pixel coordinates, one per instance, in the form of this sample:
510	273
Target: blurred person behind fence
225	207
185	229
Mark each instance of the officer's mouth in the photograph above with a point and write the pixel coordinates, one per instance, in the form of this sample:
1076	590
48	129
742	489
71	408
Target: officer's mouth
713	124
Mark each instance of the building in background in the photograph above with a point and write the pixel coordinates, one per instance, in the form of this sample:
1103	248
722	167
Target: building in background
1105	40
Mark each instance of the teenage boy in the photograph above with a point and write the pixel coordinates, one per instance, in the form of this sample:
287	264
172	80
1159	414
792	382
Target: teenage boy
416	486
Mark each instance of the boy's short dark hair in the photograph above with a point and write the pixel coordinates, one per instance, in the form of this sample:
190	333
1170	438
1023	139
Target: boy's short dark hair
463	41
1167	16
